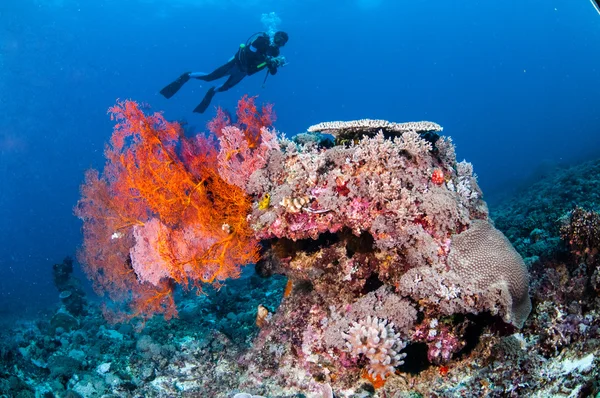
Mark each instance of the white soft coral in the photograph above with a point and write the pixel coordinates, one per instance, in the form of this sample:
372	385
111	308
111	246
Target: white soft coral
377	341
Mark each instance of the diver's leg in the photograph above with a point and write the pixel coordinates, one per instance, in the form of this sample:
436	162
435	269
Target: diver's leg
171	89
218	73
205	101
236	75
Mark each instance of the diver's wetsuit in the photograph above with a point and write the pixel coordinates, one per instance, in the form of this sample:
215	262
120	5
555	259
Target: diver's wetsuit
259	54
247	61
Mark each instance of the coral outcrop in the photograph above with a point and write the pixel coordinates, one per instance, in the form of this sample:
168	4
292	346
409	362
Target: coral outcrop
387	217
382	236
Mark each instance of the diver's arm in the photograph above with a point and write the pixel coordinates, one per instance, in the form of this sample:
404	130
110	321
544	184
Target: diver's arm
273	63
272	68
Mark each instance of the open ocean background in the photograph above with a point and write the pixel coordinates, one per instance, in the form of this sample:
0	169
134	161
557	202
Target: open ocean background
515	84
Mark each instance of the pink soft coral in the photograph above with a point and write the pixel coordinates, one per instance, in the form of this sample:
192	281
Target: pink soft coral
237	159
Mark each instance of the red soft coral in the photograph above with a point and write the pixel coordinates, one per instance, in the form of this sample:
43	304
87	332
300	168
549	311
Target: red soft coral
157	218
249	120
244	145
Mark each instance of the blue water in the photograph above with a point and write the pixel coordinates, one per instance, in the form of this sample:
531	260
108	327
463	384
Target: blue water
515	85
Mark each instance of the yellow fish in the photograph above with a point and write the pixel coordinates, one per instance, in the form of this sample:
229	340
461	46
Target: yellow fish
265	202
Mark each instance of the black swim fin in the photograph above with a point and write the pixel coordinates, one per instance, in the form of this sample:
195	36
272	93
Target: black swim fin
206	101
174	87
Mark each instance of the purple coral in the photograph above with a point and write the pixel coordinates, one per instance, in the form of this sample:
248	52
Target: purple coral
442	342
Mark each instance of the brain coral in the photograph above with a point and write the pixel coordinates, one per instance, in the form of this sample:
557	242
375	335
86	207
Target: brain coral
484	256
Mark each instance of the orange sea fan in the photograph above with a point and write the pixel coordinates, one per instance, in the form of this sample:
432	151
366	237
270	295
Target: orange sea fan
153	220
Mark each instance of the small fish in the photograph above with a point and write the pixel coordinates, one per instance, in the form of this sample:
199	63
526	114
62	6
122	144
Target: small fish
316	211
265	202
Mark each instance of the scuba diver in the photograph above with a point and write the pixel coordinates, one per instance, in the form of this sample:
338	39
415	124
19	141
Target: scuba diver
258	53
596	4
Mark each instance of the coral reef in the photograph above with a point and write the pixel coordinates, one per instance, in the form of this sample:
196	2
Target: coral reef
382	219
387	211
528	218
379	272
581	231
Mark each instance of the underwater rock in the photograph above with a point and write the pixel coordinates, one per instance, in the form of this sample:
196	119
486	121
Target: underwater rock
381	190
62	367
64	320
71	293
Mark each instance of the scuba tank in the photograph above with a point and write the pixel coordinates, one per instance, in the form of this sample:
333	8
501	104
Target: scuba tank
241	54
